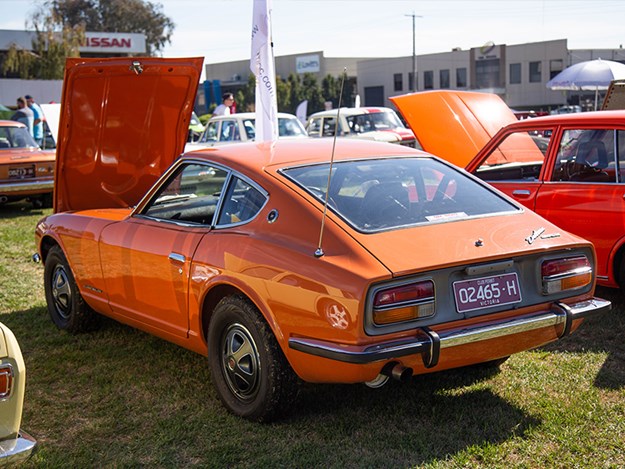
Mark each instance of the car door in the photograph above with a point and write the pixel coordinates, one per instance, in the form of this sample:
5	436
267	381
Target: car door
514	163
585	190
146	259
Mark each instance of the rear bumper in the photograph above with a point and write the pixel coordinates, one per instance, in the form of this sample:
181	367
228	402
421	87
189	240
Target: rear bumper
430	344
16	450
23	185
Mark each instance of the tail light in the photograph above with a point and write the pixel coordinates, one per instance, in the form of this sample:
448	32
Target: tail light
403	303
6	381
565	274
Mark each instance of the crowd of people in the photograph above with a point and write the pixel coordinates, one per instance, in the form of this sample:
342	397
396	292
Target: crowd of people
30	114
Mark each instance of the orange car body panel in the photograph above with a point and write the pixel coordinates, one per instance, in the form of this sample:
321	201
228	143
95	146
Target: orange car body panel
120	259
450	124
121	127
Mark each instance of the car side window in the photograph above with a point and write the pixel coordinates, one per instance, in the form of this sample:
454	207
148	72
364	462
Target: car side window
519	157
587	155
229	131
329	125
241	203
210	134
314	127
190	196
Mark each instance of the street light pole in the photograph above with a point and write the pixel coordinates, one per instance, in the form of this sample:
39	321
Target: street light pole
414	50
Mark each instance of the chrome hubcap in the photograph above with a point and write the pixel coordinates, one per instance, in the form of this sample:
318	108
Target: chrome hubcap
61	292
240	362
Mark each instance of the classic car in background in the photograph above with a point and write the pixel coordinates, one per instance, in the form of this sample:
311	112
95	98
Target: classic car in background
15	445
240	127
568	168
196	128
26	171
368	123
420	266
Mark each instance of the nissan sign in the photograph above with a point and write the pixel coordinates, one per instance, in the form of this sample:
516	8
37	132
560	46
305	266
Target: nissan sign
114	42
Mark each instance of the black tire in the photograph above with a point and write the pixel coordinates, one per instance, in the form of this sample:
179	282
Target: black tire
251	374
66	306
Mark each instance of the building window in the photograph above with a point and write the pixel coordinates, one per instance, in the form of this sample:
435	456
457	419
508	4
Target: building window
555	67
487	74
515	74
411	84
461	77
535	72
428	80
398	80
444	79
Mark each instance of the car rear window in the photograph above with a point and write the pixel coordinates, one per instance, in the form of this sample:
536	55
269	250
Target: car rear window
388	193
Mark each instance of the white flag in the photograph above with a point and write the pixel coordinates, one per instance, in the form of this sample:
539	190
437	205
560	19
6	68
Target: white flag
262	65
302	111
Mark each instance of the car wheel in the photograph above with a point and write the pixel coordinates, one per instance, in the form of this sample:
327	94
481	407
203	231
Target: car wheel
66	306
251	374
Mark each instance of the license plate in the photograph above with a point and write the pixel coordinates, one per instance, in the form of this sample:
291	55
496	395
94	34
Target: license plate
22	172
487	292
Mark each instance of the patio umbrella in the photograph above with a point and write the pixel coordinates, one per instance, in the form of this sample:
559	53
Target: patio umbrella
589	75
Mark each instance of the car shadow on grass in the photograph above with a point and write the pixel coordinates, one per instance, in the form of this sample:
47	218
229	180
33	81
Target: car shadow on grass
20	209
601	334
430	418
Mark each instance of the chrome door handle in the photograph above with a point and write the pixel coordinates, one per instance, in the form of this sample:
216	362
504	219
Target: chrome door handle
521	193
175	257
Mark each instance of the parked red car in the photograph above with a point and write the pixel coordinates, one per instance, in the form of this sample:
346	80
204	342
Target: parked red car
568	168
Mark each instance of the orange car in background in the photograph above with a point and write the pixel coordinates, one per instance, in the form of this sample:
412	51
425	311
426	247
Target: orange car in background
26	171
416	267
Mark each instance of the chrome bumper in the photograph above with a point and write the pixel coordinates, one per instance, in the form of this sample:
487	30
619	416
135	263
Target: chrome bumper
16	450
429	343
20	185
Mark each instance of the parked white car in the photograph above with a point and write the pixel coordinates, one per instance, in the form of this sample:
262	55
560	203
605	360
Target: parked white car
240	127
369	123
15	445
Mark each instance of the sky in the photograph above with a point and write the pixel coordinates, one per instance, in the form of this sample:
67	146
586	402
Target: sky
220	30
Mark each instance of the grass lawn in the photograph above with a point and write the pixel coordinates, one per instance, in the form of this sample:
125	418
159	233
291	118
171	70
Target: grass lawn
118	397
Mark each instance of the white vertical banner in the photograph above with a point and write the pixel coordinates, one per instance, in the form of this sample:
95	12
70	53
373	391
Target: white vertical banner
262	65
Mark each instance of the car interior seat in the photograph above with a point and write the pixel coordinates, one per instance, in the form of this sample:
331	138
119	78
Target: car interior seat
385	204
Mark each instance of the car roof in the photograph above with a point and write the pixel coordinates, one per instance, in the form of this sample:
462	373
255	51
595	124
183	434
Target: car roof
8	123
352	111
249	115
254	158
596	117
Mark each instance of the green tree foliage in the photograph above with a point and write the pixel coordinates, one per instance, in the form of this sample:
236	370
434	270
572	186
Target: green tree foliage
122	16
53	43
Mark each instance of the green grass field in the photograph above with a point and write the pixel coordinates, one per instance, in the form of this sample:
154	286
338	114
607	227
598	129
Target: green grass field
118	397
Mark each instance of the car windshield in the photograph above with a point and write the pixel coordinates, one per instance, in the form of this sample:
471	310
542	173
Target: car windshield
372	122
389	193
287	127
15	137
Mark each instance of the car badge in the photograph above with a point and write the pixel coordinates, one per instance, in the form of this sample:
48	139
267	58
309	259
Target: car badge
535	235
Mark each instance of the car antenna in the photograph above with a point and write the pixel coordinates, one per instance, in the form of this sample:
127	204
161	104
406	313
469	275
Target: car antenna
319	252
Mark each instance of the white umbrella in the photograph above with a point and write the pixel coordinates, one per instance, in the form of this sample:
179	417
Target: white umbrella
590	75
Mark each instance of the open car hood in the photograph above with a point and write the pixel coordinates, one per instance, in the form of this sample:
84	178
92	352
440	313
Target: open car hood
123	122
454	125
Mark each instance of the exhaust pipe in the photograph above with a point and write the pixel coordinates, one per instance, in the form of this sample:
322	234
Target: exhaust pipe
3	199
394	370
397	371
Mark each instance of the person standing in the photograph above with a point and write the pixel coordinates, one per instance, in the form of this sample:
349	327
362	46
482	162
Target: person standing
224	108
38	119
24	114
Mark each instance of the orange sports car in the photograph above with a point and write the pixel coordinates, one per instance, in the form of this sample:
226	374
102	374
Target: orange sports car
26	171
287	261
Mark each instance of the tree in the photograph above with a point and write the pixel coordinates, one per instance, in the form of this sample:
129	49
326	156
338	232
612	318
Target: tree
123	16
53	43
